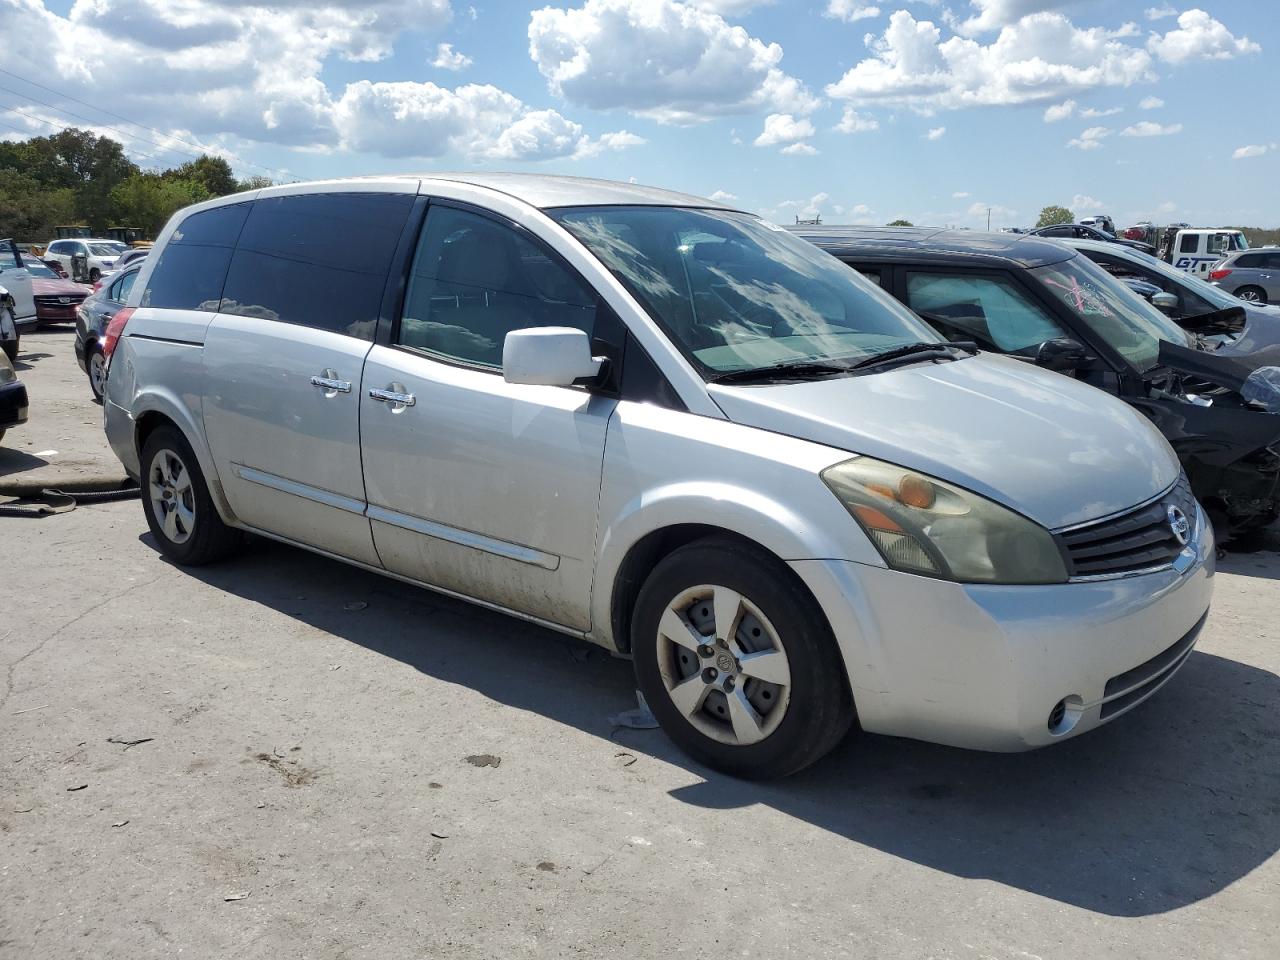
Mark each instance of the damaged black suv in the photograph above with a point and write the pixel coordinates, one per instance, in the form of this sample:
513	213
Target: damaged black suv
1044	303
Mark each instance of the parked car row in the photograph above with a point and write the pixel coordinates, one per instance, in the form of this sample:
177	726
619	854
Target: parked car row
669	427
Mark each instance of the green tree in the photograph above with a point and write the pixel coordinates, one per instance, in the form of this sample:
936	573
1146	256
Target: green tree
254	183
1052	215
148	200
899	223
29	210
213	172
89	165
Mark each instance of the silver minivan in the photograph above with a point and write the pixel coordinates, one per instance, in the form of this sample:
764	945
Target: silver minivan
671	428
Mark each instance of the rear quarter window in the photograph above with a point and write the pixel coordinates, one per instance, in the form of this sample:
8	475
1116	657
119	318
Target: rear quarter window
193	265
1248	260
319	260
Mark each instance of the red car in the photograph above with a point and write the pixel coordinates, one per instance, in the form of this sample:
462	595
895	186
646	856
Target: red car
56	299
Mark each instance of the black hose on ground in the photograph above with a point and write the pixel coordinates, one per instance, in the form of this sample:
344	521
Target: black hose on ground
49	502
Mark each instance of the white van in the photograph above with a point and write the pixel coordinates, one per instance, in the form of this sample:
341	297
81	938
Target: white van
671	428
1195	251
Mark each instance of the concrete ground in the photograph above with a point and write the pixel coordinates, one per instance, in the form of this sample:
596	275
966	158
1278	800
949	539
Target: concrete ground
61	445
283	757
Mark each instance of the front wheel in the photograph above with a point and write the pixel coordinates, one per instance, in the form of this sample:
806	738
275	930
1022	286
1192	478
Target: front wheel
176	500
1252	294
95	275
737	662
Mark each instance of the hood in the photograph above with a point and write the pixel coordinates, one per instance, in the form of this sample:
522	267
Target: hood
1057	451
49	287
1262	329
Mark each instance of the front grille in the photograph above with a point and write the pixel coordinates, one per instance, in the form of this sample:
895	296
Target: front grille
59	299
1138	540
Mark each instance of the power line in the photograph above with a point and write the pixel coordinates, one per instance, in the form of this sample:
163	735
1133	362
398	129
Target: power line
198	146
59	126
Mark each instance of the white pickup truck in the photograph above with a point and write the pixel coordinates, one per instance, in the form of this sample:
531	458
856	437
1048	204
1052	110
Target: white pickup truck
1196	250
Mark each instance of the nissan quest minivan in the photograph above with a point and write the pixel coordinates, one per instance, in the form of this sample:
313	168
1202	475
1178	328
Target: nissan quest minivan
671	428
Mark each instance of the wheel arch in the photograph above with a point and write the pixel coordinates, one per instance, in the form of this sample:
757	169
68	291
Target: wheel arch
158	409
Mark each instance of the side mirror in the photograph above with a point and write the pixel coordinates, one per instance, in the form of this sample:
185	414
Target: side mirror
549	356
1062	355
1168	302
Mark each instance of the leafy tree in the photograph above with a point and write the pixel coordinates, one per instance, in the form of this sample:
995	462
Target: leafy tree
213	172
1052	215
254	183
87	164
29	210
899	223
148	200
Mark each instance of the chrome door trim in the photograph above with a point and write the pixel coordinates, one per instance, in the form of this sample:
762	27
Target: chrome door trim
444	591
305	491
465	538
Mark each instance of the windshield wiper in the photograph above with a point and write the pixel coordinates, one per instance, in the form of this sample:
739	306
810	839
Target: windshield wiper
787	370
911	349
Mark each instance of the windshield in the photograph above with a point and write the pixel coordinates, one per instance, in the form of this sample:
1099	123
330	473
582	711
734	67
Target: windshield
1130	325
103	250
736	293
37	269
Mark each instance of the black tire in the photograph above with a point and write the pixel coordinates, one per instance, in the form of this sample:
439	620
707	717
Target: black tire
1252	294
11	349
92	353
94	275
205	538
819	711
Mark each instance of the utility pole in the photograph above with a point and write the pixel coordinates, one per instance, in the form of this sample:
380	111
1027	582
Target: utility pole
988	219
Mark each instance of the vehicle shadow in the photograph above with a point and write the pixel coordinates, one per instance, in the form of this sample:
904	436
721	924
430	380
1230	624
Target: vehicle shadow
15	461
25	361
1164	808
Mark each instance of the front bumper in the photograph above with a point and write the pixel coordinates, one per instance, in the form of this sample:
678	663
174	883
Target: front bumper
13	405
55	314
983	667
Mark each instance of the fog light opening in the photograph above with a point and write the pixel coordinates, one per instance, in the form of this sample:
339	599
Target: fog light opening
1065	715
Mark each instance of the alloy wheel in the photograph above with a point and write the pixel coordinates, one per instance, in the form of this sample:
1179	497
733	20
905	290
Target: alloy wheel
172	497
97	373
723	665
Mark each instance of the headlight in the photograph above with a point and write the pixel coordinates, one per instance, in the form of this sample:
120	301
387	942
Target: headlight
927	526
6	372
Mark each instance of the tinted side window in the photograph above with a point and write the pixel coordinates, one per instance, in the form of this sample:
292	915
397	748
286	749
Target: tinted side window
989	310
193	264
120	289
1249	260
475	280
1190	243
318	259
1271	261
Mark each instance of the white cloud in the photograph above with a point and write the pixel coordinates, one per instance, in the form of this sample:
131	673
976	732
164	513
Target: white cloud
783	128
851	10
1040	58
1149	128
729	8
1252	150
1160	12
960	195
936	133
1059	111
805	209
1093	113
978	211
854	122
1199	37
1082	201
861	211
449	59
1090	139
1151	103
800	150
480	121
994	14
724	196
660	59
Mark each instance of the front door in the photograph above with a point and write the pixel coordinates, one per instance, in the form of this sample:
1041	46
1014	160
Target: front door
283	360
475	485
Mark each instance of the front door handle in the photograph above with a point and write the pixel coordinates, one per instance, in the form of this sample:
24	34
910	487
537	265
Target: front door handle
329	382
395	396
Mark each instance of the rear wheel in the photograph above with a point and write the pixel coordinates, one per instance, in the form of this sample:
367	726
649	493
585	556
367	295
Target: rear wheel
95	275
1252	294
737	662
96	366
176	500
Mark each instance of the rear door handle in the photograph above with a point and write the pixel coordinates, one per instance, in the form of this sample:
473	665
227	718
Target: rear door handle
393	397
330	384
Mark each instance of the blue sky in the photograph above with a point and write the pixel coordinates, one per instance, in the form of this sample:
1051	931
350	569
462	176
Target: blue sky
1144	109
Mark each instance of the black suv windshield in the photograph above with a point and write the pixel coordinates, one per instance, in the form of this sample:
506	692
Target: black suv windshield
1119	316
736	293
